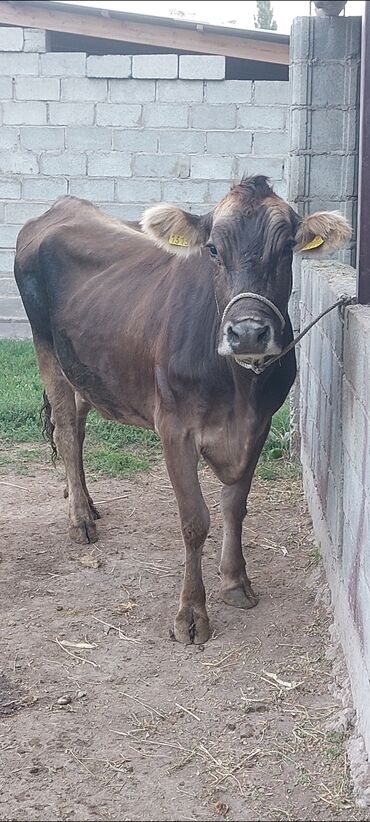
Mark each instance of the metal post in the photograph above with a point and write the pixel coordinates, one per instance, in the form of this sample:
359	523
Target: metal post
363	227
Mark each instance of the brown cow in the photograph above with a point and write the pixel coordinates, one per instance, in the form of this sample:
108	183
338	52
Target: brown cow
161	327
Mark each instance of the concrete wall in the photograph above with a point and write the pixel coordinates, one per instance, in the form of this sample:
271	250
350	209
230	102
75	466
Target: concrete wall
324	128
335	450
124	132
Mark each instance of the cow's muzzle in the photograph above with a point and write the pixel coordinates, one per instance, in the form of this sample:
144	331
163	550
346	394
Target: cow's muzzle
249	333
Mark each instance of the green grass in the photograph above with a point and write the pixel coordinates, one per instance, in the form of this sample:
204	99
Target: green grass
115	450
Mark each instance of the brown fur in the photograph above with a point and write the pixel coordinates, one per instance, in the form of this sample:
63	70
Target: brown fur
330	225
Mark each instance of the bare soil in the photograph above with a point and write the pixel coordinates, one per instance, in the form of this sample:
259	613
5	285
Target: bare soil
104	717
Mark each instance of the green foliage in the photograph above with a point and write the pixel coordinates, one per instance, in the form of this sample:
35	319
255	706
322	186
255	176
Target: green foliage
265	16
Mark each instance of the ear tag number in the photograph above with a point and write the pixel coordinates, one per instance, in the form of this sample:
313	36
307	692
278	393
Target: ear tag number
315	243
176	239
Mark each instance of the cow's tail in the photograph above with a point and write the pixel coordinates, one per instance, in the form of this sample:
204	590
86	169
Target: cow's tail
48	426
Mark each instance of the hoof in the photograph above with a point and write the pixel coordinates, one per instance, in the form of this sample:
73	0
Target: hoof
242	596
84	533
191	626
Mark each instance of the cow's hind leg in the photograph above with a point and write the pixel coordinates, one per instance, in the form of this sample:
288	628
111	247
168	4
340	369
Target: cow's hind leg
61	396
191	623
82	410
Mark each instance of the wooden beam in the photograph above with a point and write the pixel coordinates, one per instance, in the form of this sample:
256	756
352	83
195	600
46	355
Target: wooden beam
74	21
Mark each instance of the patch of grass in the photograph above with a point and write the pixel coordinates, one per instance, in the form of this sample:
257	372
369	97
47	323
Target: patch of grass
110	448
334	742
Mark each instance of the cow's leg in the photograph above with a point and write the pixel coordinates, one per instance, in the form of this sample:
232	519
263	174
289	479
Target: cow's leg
235	586
191	623
82	410
61	396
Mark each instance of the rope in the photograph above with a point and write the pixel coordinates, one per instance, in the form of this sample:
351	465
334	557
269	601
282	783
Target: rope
258	369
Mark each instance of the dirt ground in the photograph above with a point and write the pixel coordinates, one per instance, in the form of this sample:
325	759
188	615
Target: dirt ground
104	717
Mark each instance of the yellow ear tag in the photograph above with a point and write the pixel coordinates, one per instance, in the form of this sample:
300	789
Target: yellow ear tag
176	239
315	243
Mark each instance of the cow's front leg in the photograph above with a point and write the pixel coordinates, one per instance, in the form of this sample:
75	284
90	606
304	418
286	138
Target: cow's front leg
191	623
235	586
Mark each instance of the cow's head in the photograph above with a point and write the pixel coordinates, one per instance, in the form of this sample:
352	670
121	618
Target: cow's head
250	237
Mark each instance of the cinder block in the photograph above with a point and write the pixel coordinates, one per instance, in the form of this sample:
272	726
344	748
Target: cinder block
37	138
18	162
161	165
135	140
8	235
11	39
6	88
271	142
185	191
109	65
201	67
261	117
8	287
230	91
98	190
165	115
212	168
44	188
217	191
113	114
24	113
19	64
63	163
12	330
88	138
180	91
9	138
357	351
71	114
34	40
269	166
22	212
333	130
138	191
10	189
126	211
229	142
2	212
82	88
37	88
6	265
157	66
132	91
13	307
332	175
271	92
326	38
193	142
212	117
63	64
110	164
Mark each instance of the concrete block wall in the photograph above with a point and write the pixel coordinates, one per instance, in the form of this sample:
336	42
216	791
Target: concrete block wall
323	139
124	132
335	451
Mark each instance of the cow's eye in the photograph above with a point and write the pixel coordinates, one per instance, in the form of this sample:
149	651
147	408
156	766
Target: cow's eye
212	250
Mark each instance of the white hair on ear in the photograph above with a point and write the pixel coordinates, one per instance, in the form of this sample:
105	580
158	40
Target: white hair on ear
330	225
163	222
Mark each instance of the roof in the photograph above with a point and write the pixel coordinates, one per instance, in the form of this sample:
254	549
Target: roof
180	35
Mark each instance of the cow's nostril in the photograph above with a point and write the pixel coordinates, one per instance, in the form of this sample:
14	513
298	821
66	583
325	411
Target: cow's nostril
263	336
232	335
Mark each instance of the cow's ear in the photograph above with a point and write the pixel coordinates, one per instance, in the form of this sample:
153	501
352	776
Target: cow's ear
322	231
175	230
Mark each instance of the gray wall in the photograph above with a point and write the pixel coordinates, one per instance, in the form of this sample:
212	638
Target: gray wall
124	132
335	451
